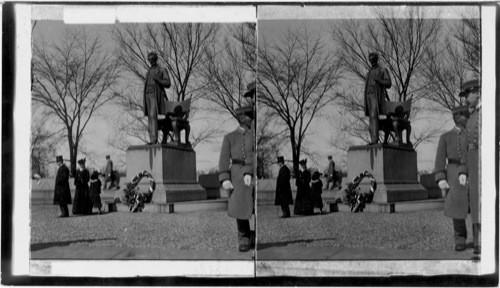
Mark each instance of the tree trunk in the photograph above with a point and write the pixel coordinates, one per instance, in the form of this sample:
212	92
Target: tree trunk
295	155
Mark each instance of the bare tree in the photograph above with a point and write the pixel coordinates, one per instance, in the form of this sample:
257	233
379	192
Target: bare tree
226	67
43	143
404	47
468	34
270	137
181	48
453	61
296	78
75	78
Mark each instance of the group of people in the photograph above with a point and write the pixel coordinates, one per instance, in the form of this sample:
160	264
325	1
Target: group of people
457	170
87	188
309	190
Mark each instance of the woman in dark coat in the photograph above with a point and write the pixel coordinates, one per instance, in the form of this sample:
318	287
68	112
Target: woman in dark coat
82	203
95	191
283	196
303	200
316	187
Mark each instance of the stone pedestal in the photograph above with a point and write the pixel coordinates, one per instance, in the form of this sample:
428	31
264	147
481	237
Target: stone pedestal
394	169
172	167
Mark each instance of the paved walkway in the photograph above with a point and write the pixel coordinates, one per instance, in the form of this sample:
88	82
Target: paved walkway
271	253
116	253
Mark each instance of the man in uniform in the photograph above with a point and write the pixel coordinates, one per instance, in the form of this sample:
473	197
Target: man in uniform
330	173
283	195
378	80
154	99
236	164
469	168
62	195
449	152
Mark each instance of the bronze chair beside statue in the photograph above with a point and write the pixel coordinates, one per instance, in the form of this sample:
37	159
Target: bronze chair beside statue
396	121
176	120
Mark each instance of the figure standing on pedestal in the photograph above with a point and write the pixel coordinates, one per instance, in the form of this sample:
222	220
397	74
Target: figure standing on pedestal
156	81
378	80
283	195
330	173
108	172
447	165
469	168
236	165
62	195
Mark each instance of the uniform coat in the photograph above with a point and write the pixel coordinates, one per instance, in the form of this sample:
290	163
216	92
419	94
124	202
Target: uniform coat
379	88
470	162
62	193
447	166
163	81
283	189
236	160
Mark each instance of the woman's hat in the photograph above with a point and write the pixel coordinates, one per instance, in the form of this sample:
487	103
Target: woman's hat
303	162
81	161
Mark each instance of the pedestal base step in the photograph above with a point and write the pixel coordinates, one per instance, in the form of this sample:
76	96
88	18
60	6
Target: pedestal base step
179	207
406	206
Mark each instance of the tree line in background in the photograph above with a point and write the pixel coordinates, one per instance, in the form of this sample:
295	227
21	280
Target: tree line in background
298	76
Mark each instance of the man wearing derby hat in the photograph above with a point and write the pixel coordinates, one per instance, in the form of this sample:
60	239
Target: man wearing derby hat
283	195
62	195
447	165
469	168
236	168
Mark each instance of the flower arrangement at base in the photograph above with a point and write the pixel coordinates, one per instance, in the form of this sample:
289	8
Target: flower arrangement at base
133	197
356	200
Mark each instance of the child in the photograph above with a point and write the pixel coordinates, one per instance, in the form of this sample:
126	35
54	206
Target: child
316	187
95	191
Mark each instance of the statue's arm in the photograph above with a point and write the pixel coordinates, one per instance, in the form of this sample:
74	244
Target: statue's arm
164	80
386	79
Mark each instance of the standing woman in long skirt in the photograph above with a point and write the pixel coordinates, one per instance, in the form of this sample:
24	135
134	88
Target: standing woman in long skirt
82	203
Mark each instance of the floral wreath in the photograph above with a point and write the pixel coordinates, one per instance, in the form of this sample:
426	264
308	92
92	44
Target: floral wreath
356	200
133	197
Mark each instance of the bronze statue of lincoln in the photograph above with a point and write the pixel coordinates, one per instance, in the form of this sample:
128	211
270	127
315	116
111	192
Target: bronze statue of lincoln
377	81
156	81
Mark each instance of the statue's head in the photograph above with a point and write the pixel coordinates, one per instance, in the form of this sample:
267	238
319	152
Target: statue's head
373	57
152	57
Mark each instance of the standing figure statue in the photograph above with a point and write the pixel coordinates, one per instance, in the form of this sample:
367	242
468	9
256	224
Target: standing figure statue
157	80
377	81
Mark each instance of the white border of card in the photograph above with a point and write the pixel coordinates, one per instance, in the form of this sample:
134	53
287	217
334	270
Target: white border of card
22	265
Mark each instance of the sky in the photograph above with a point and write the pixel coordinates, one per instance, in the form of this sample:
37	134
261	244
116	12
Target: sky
100	127
321	133
319	136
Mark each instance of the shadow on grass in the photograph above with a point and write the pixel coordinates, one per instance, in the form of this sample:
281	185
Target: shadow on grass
261	246
41	246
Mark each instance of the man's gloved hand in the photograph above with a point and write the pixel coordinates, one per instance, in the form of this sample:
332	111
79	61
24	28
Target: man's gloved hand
462	179
443	184
247	179
227	185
